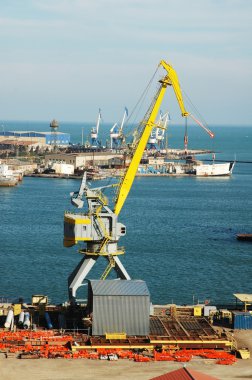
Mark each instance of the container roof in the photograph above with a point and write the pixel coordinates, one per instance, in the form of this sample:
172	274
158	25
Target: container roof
119	288
244	297
246	313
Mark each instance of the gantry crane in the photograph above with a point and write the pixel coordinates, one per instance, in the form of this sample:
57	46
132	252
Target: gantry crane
95	143
160	135
98	226
116	133
156	139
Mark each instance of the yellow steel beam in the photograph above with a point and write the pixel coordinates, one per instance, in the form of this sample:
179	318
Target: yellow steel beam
226	342
132	169
76	220
172	75
170	79
152	344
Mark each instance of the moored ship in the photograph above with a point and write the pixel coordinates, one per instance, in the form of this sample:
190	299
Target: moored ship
7	177
193	168
213	170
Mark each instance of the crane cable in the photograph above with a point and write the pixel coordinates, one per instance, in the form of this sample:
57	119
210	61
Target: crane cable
211	134
195	110
139	103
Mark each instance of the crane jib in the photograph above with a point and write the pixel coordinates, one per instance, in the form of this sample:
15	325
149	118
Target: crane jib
137	154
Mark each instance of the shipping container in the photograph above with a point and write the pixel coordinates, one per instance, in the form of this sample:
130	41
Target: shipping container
242	320
208	310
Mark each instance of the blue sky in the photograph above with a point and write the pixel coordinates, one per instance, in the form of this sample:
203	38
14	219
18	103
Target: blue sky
64	59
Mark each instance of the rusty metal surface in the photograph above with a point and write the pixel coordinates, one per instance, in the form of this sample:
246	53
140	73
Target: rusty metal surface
186	328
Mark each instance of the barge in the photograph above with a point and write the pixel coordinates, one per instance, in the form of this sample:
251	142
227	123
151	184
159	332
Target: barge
244	237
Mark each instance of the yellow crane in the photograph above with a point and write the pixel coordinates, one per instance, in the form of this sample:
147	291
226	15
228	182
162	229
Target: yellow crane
171	79
98	227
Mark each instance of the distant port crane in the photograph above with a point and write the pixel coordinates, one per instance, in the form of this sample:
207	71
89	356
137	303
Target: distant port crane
98	226
95	143
116	132
156	139
161	130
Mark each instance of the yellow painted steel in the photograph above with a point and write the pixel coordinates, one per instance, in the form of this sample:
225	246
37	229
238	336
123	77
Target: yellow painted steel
91	253
73	220
197	311
170	79
244	353
152	344
226	342
107	270
116	335
112	346
17	308
38	299
172	75
69	242
76	239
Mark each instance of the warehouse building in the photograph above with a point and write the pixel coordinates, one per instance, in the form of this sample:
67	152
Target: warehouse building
119	306
85	159
36	138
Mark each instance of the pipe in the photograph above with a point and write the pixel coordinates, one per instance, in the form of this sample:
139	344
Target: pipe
21	318
48	321
27	322
9	318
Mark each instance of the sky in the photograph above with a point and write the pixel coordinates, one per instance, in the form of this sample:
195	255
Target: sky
65	59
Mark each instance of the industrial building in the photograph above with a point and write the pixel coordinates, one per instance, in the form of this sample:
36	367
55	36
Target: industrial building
80	160
119	306
35	139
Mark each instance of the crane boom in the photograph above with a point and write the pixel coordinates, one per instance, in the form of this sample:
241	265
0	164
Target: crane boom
172	75
175	83
170	79
98	122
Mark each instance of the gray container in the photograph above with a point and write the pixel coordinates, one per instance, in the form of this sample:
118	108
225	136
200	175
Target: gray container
119	306
208	310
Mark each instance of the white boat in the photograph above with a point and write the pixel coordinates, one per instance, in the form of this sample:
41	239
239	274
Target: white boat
193	168
7	177
7	181
214	170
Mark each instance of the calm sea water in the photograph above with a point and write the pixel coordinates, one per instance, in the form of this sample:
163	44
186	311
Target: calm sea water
180	231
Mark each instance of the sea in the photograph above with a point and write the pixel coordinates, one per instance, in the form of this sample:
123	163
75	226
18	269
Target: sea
181	231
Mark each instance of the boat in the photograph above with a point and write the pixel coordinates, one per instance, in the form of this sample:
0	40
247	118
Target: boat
7	177
8	181
189	167
199	169
244	237
213	170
